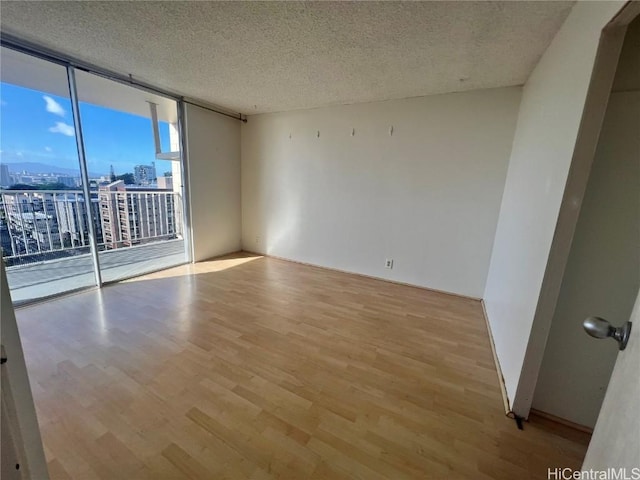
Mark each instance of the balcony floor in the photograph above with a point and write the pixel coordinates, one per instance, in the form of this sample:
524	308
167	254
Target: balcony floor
43	279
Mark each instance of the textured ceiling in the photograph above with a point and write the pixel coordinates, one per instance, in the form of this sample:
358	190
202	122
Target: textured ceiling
255	57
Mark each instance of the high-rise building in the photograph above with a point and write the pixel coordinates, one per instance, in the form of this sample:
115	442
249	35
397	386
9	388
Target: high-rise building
66	180
145	174
109	217
5	178
30	223
165	182
44	220
73	221
133	215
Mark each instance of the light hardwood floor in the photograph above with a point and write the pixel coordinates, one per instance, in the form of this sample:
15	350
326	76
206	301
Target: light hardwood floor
261	368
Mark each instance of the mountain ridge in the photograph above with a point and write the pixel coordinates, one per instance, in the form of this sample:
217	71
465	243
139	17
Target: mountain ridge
37	167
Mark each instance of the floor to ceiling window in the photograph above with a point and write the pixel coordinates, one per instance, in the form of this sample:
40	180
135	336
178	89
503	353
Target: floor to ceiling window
140	203
91	179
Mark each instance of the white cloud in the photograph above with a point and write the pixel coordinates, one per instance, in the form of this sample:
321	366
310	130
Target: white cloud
53	106
63	128
48	149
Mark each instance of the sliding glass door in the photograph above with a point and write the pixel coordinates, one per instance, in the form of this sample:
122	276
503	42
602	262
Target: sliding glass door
91	184
44	226
140	205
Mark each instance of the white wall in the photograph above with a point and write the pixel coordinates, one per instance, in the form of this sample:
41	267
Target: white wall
426	196
602	275
548	121
213	153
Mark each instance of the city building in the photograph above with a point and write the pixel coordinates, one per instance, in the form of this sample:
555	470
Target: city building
145	174
5	177
6	243
41	221
132	215
67	180
165	182
31	226
28	178
73	221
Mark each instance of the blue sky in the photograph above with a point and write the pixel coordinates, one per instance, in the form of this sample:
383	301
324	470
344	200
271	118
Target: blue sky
38	127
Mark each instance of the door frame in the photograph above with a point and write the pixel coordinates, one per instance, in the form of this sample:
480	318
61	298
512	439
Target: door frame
16	397
604	70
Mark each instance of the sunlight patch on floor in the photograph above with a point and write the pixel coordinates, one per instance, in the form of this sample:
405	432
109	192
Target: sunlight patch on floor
207	266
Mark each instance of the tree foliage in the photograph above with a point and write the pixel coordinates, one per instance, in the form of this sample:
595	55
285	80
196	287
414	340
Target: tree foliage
22	186
42	186
127	178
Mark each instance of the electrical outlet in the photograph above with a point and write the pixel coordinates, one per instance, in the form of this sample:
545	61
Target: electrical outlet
257	239
388	263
